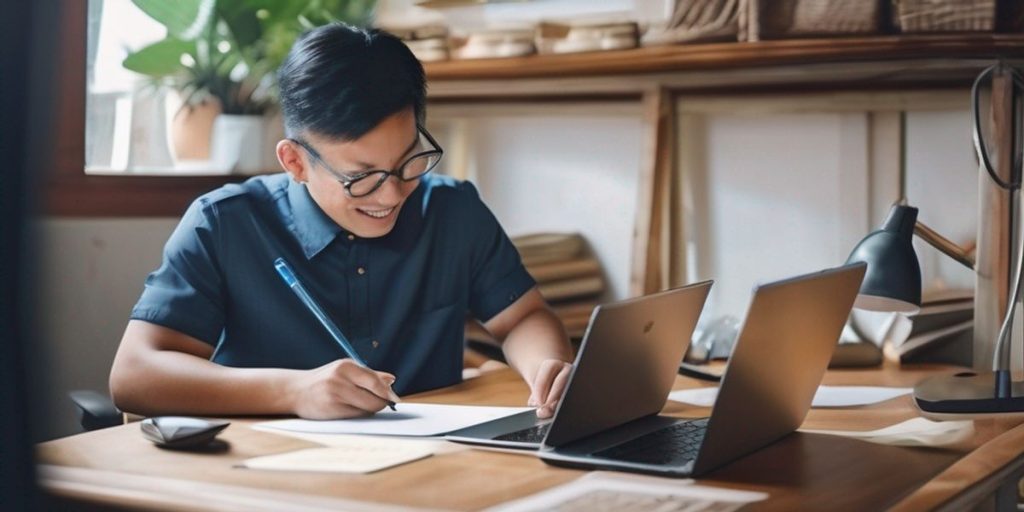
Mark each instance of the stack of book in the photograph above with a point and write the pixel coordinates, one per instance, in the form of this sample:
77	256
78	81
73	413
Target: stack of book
568	275
939	333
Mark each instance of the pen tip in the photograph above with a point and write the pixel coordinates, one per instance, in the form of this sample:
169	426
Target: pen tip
391	405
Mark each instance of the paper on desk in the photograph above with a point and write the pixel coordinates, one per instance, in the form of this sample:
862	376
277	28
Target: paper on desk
347	454
435	445
601	490
913	432
827	396
410	419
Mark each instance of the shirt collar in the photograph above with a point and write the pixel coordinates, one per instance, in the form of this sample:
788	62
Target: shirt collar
311	226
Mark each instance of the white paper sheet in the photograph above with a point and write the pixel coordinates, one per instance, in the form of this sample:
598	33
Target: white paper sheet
437	445
599	490
827	396
913	432
347	454
409	420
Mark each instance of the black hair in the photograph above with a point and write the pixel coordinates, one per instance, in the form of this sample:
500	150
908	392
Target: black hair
341	81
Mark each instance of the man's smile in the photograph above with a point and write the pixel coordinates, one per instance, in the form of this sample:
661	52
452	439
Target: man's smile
379	213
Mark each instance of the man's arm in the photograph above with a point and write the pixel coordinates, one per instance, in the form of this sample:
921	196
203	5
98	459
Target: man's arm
158	370
536	345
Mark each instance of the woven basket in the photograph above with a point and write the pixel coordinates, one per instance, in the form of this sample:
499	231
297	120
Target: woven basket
698	20
945	15
779	19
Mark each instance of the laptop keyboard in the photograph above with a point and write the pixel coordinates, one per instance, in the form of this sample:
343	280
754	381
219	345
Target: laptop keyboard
675	445
534	434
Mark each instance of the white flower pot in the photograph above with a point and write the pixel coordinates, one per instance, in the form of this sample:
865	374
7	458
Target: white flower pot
236	144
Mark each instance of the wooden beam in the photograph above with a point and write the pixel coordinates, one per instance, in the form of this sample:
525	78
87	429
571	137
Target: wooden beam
994	260
648	273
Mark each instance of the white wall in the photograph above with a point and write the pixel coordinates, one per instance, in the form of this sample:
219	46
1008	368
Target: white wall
772	192
942	181
561	173
777	193
91	273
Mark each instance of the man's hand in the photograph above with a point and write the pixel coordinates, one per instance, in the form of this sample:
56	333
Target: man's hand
341	389
548	386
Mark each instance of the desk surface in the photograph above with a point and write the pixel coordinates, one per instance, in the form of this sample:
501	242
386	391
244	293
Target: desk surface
117	465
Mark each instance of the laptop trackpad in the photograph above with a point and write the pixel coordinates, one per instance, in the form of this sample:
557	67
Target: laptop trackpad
523	430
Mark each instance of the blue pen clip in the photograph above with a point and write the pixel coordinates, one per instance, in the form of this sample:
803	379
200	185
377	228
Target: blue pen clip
286	273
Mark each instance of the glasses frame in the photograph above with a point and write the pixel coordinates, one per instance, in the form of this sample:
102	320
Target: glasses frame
347	179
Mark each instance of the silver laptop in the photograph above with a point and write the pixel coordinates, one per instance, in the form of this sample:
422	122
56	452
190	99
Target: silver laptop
780	356
626	332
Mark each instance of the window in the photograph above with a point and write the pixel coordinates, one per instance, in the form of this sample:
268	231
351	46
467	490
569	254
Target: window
136	124
121	134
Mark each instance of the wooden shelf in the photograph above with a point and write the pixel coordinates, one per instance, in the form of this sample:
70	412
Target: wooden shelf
691	57
881	62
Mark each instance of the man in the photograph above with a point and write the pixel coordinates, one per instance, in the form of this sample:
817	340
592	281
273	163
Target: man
396	256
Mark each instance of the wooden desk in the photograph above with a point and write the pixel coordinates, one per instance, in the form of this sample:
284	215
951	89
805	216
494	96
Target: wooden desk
803	471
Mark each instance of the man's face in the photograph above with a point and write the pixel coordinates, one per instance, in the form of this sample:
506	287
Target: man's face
386	146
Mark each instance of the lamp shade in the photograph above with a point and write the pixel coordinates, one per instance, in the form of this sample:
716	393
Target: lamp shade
893	279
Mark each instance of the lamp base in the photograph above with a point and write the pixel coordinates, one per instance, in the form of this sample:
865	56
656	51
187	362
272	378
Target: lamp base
965	394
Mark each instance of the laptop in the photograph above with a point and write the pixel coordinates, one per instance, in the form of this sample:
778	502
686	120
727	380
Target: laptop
627	331
780	357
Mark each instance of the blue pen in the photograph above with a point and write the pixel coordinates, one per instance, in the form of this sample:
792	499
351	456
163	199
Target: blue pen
293	282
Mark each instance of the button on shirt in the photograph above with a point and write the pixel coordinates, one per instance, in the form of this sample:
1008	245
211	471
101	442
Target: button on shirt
401	299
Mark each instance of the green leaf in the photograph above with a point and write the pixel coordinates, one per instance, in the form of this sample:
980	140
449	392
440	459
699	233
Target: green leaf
159	59
241	19
283	12
184	19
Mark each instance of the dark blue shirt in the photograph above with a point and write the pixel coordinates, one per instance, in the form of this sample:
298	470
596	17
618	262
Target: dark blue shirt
401	299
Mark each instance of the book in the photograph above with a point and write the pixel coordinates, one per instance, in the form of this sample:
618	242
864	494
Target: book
555	270
946	295
907	349
574	308
548	247
576	325
571	288
924	323
945	319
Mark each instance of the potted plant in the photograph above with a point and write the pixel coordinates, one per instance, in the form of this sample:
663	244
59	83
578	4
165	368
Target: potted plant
221	56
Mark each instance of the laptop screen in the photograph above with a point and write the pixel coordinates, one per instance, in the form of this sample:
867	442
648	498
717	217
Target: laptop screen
627	362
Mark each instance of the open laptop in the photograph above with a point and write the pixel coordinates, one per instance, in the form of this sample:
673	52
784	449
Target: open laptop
626	331
779	359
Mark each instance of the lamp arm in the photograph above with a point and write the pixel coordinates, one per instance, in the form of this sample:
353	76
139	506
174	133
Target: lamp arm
944	245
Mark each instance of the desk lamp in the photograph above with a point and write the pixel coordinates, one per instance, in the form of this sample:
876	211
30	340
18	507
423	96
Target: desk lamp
893	283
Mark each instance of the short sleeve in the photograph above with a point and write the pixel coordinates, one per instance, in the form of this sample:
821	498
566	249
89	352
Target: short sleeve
186	292
498	275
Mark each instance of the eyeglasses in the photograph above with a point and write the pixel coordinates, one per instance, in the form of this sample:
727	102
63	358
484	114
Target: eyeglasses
364	183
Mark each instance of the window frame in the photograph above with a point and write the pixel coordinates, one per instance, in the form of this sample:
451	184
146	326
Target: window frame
67	190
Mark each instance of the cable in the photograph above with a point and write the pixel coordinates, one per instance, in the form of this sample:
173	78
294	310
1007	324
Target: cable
979	139
1003	380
